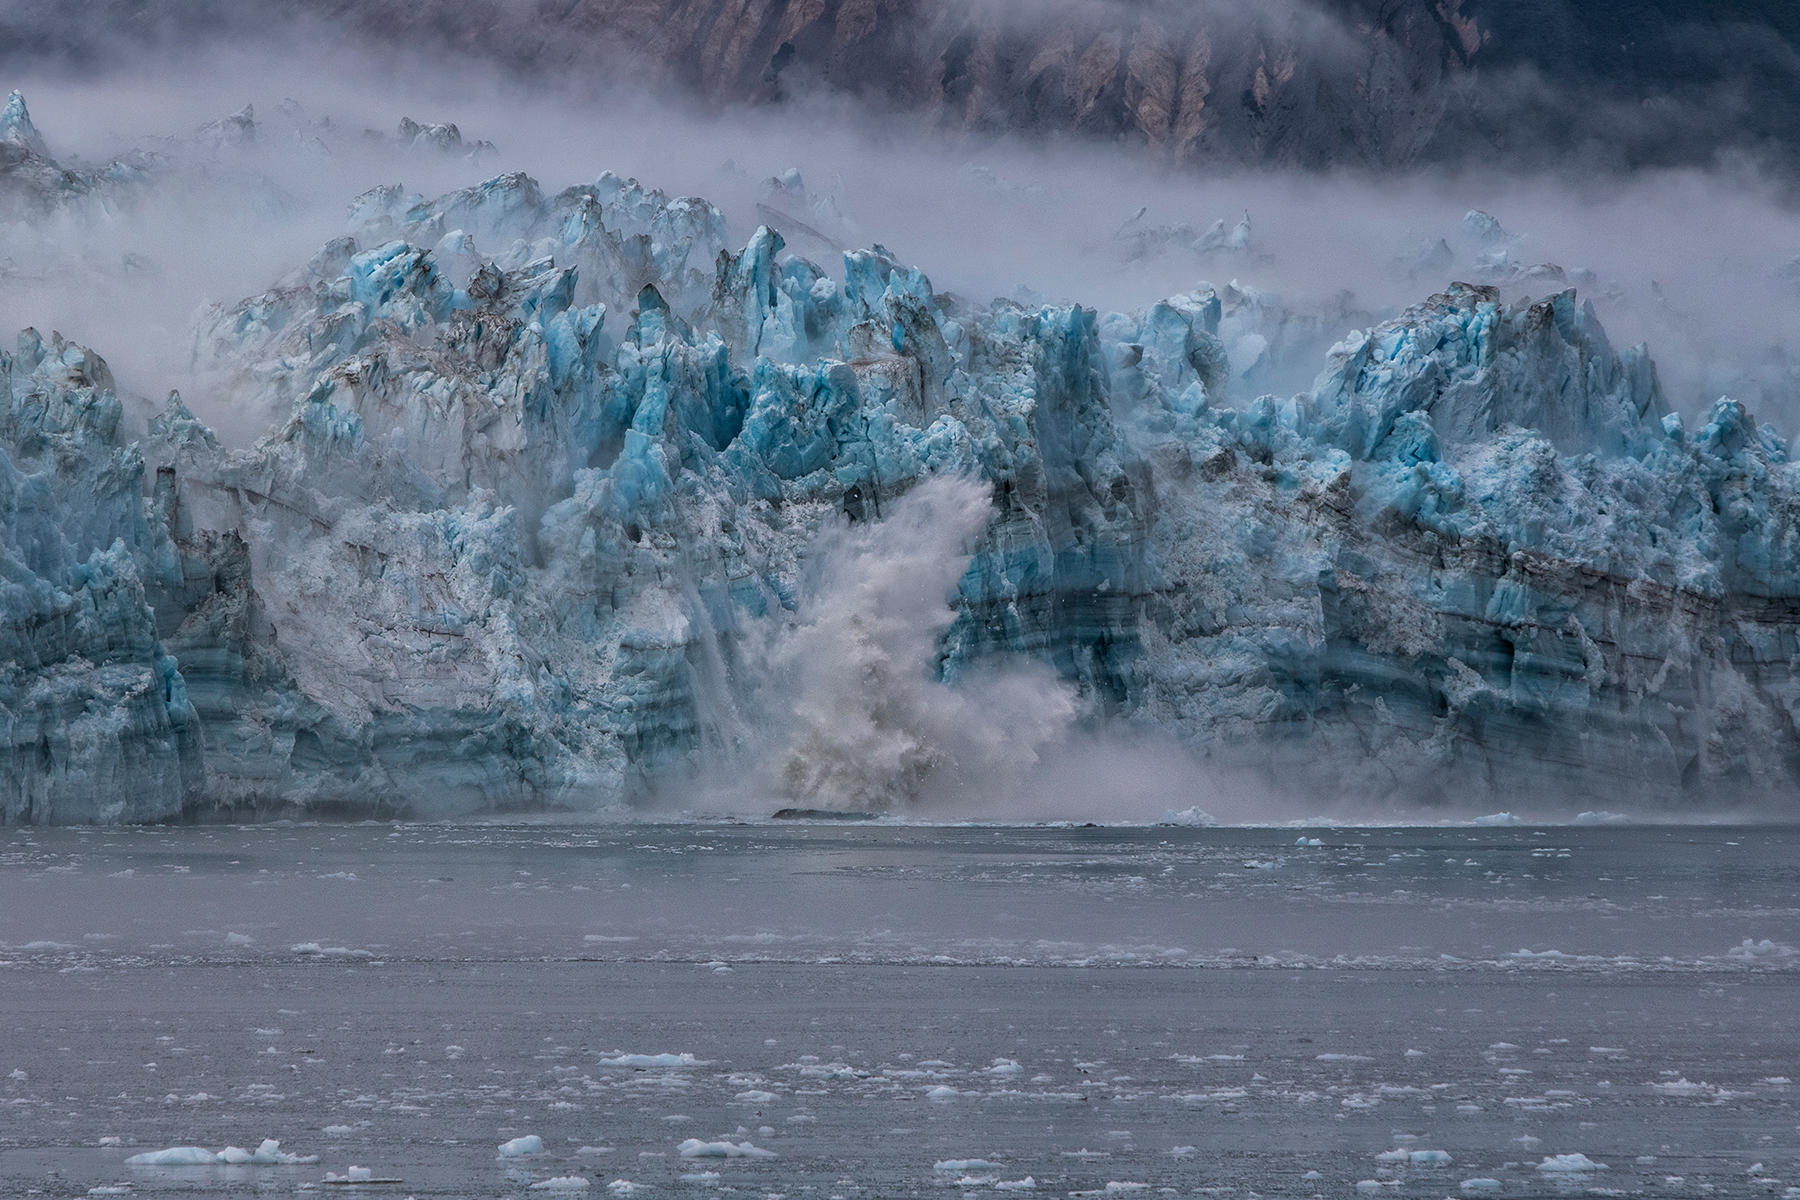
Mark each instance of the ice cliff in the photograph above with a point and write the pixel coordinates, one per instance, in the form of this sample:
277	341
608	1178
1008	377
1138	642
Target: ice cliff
95	722
541	469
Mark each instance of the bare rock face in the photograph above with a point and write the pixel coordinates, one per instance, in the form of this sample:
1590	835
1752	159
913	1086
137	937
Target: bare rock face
1321	83
1283	82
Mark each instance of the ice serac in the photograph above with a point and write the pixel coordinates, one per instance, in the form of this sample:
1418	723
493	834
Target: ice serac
544	470
95	723
31	182
16	128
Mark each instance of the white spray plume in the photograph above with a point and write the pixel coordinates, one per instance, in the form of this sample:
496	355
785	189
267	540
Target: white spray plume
844	705
858	714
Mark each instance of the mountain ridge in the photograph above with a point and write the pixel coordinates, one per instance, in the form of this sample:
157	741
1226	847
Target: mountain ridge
1338	83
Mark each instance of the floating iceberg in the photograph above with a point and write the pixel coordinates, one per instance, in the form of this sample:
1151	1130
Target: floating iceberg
695	1148
268	1154
1569	1164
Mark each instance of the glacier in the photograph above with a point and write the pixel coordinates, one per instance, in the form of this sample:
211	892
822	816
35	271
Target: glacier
550	479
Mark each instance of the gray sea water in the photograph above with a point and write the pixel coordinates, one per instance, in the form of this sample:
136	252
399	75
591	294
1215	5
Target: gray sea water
882	1009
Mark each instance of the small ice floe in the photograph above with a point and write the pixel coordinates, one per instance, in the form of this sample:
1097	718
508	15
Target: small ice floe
965	1164
1688	1089
1309	842
624	1187
1418	1158
562	1183
1003	1066
756	1096
1601	817
316	950
1481	1183
942	1091
520	1147
1683	1087
1192	818
1499	818
1757	951
1114	1187
354	1174
695	1148
1570	1164
653	1060
1015	1185
268	1154
110	1189
706	1177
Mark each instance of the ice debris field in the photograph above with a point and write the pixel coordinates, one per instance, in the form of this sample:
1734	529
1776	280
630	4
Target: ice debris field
689	1010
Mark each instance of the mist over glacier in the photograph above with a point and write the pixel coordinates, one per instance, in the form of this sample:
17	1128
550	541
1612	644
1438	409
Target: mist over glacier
985	214
529	484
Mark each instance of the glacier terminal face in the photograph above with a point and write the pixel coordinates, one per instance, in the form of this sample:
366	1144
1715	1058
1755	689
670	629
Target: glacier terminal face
543	473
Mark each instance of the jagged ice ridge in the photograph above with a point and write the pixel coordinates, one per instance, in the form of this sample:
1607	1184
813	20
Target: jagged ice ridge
543	472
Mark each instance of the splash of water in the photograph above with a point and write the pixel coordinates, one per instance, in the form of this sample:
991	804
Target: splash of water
855	711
